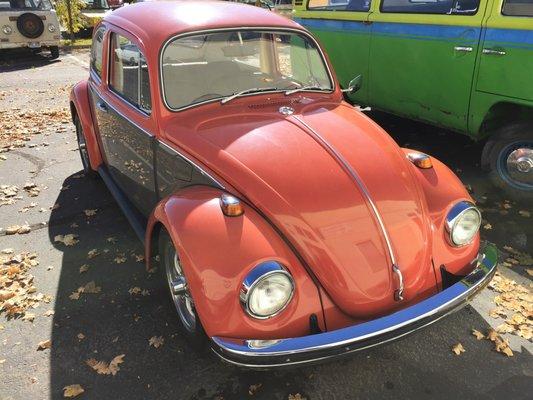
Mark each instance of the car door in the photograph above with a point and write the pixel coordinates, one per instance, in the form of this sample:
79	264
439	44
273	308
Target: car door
343	30
506	59
125	123
422	58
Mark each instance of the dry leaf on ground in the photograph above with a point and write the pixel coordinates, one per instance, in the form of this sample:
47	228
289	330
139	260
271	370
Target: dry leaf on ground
45	344
84	268
93	253
68	240
254	388
478	334
103	368
72	390
90	213
156	341
296	396
120	259
458	349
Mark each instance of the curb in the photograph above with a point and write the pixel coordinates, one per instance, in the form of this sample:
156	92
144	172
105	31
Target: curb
75	47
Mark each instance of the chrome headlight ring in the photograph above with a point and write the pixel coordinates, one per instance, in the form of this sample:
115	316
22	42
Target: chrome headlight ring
455	216
261	274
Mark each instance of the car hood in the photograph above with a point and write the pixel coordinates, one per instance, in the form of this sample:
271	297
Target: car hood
298	183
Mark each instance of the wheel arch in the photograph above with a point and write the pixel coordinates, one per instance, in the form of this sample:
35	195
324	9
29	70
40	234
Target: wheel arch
80	108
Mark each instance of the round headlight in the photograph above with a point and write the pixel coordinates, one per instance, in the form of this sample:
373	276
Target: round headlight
7	29
266	290
462	223
51	28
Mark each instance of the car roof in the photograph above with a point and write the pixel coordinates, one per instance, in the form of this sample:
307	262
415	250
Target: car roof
155	21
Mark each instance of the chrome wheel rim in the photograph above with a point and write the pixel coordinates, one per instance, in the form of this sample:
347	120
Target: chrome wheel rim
516	165
179	290
82	146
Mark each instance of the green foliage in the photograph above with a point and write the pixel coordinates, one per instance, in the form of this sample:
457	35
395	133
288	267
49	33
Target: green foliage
77	18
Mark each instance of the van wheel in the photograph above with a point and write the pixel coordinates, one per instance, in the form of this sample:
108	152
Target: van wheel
510	157
174	275
82	148
54	51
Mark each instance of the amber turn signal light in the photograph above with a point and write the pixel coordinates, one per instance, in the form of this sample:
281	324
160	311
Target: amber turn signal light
421	160
231	206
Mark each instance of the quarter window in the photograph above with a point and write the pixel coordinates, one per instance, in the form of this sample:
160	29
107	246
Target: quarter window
456	7
339	5
96	51
129	72
518	8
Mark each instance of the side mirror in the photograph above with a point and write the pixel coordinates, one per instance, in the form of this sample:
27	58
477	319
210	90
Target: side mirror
354	85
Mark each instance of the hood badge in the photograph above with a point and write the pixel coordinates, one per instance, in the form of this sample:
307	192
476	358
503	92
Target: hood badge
286	110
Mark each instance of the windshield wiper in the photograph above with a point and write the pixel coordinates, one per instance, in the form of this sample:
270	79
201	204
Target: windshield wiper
303	88
246	91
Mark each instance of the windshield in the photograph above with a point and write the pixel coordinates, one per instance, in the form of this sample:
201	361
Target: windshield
214	66
25	5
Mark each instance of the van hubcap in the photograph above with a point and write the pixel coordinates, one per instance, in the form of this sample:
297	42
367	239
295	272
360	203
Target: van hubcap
519	165
179	290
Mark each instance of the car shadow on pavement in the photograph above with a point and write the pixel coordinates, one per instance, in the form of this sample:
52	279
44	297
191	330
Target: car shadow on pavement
21	59
120	319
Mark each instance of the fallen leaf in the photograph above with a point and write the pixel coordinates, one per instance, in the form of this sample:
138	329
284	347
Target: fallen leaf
80	336
254	388
68	240
28	317
458	349
46	344
296	396
72	390
84	268
90	287
120	259
24	229
524	213
139	257
103	368
134	290
11	230
93	253
90	213
111	239
487	226
49	313
156	341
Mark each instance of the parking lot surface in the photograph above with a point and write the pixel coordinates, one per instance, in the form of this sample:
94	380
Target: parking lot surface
132	306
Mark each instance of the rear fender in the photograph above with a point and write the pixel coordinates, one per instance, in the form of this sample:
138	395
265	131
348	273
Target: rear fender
80	107
218	251
442	189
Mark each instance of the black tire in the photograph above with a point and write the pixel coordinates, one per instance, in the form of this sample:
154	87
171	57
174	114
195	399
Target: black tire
54	52
84	155
194	334
30	25
499	153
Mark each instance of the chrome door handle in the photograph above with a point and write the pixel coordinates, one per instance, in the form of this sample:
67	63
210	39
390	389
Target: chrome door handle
465	49
101	106
494	52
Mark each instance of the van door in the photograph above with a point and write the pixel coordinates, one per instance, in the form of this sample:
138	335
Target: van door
422	58
506	60
343	30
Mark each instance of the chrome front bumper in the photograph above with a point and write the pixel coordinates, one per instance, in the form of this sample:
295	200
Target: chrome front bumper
313	348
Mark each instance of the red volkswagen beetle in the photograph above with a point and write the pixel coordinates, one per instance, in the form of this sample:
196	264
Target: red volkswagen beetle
289	226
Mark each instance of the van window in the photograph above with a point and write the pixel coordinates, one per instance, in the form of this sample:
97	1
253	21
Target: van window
518	8
129	72
462	7
339	5
96	51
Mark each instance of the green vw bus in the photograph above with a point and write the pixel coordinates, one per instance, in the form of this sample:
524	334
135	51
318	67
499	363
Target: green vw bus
466	65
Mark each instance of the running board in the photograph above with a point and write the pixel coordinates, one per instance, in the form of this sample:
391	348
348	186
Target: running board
135	218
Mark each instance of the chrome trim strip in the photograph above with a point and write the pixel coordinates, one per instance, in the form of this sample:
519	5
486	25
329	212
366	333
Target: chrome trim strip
202	170
432	309
355	176
207	31
453	216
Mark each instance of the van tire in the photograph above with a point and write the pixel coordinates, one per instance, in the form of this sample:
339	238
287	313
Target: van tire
54	51
496	154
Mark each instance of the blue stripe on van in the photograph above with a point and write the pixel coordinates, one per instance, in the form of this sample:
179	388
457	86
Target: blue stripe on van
465	34
516	38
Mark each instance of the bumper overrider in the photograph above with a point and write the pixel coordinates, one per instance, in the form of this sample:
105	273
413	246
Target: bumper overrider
263	354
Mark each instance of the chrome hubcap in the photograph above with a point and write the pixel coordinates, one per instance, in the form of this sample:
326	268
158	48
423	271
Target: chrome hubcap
179	290
519	165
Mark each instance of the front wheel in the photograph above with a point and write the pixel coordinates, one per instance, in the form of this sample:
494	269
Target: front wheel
54	52
510	158
179	291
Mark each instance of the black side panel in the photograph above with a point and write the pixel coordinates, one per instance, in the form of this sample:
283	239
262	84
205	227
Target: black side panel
137	221
174	172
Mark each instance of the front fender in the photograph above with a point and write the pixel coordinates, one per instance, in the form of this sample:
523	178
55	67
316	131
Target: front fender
218	251
442	189
80	107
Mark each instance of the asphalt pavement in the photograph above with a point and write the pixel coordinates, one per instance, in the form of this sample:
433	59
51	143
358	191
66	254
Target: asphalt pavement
120	319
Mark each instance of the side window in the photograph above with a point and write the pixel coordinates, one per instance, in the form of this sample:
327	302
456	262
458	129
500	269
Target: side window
339	5
129	72
518	8
96	51
464	7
